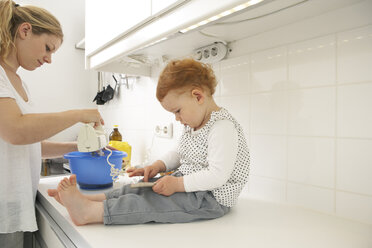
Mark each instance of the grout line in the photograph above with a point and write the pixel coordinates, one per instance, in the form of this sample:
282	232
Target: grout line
290	43
294	89
312	185
352	83
354	138
250	117
297	89
311	136
287	127
336	126
354	193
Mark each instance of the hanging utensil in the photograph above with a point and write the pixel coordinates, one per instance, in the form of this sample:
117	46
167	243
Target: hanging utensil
116	82
108	94
124	76
99	97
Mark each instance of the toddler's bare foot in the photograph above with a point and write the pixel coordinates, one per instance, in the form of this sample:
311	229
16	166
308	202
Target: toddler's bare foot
82	210
54	193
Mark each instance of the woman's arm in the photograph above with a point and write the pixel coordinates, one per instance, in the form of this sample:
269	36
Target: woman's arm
21	129
50	149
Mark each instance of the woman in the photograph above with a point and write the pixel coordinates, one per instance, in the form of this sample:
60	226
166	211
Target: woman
28	38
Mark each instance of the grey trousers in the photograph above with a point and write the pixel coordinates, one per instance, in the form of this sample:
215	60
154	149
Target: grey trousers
11	240
142	205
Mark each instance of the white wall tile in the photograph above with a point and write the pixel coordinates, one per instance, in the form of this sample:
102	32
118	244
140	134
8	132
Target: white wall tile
319	199
234	76
238	106
218	100
217	73
130	118
354	165
155	114
269	70
269	156
269	113
149	90
355	55
245	192
134	95
266	188
354	115
312	112
358	15
353	206
161	146
311	161
312	63
138	141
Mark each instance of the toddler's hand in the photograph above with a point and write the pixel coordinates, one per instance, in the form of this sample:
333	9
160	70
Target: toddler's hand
147	172
133	171
169	185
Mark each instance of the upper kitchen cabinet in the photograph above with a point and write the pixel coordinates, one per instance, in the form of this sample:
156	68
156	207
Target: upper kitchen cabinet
132	36
110	21
107	20
158	6
115	30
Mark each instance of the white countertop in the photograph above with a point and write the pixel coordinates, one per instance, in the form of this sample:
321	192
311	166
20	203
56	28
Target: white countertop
252	223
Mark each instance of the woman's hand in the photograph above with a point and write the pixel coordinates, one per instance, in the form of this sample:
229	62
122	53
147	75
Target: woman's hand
91	115
169	185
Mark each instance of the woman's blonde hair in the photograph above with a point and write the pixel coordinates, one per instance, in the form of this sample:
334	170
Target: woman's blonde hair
12	15
186	73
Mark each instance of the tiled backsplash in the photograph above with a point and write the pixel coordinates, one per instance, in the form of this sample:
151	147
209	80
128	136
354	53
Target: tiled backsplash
306	111
308	118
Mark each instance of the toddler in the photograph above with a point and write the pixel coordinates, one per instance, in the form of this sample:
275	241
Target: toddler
211	163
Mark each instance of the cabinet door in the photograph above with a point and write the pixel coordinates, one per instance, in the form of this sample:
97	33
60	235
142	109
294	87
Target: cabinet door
107	20
50	233
160	5
46	234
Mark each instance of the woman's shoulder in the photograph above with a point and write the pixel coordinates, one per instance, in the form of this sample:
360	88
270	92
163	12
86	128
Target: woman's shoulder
5	85
2	73
3	77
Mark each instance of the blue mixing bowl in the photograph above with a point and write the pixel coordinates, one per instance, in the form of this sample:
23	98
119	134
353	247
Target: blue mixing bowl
93	171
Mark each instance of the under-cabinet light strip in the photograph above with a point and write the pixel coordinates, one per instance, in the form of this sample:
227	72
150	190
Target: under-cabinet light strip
223	14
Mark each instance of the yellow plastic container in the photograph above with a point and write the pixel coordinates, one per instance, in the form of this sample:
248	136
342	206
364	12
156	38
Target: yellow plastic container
125	147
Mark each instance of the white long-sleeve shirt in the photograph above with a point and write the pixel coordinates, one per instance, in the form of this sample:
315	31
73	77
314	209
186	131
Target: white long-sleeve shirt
222	153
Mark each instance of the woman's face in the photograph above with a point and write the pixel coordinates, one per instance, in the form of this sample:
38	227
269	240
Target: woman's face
35	50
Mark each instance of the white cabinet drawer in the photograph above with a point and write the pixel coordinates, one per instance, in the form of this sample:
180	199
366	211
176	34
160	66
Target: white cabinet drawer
50	233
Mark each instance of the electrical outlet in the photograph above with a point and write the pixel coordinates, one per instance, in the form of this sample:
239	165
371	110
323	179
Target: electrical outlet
164	130
211	53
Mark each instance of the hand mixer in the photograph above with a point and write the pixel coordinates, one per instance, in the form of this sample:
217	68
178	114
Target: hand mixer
91	139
